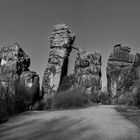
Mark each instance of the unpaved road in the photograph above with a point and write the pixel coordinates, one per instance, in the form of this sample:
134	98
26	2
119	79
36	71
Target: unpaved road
93	123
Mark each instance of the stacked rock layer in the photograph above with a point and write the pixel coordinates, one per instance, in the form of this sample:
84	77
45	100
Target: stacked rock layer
61	41
87	71
121	70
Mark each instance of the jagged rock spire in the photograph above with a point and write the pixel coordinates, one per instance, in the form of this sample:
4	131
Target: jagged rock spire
61	44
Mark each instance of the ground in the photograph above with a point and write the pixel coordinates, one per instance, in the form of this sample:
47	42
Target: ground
100	122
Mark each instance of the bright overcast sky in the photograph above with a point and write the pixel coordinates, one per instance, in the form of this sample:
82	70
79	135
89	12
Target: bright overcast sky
98	25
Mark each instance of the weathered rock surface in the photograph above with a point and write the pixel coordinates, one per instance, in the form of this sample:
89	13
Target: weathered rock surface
17	83
137	65
87	71
121	70
29	81
61	41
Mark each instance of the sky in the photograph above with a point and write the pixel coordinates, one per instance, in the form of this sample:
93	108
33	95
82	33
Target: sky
97	24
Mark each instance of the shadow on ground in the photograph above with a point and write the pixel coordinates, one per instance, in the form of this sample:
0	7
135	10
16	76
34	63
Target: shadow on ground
62	128
93	123
131	114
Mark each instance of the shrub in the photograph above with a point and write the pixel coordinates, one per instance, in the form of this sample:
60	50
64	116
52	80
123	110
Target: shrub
104	98
22	99
72	98
67	83
127	98
47	104
3	110
138	94
6	104
38	106
43	104
94	97
131	97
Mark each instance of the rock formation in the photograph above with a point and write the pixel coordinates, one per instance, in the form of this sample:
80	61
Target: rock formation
120	70
137	65
16	81
61	41
87	71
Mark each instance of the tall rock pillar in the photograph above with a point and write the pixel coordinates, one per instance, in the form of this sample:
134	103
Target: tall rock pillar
120	70
61	41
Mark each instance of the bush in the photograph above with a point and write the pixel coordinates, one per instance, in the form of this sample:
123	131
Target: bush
138	94
23	98
43	105
38	106
94	97
67	83
72	98
6	104
128	98
132	97
3	110
104	98
47	104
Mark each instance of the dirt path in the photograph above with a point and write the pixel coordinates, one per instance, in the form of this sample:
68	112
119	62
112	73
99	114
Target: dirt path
93	123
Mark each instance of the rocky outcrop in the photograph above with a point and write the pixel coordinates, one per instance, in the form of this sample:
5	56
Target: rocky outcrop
17	83
29	81
121	70
87	71
137	65
61	41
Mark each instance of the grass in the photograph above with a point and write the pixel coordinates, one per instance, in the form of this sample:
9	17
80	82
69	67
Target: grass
131	113
70	98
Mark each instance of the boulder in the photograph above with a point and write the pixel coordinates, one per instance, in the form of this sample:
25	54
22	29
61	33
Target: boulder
61	41
87	71
14	69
